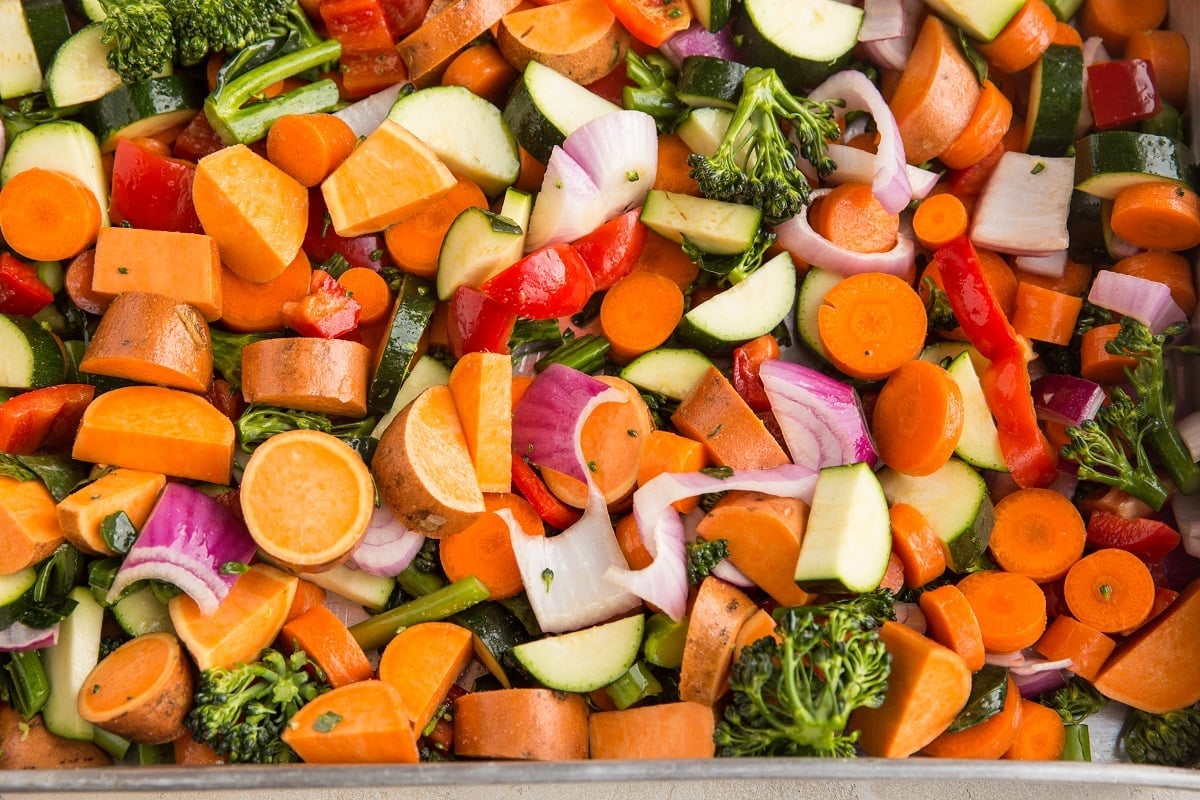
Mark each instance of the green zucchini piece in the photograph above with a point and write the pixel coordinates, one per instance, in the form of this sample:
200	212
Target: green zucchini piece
710	82
669	371
848	539
982	19
805	41
546	106
1108	161
30	356
48	27
1086	224
20	73
144	109
1055	100
743	311
63	145
583	660
410	317
713	226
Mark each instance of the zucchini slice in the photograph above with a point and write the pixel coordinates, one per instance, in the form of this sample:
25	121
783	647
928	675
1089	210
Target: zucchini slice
20	73
743	311
805	41
30	356
144	109
546	106
410	317
1055	100
48	27
1108	161
710	82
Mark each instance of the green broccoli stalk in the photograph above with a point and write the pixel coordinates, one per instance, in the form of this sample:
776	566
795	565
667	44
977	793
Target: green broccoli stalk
732	269
702	556
260	422
1100	447
794	696
1075	701
1171	739
937	307
227	352
653	89
1149	380
755	163
140	34
240	712
237	120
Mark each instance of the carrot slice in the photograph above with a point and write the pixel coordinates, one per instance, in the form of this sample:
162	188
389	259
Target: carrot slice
328	376
250	306
1076	278
1011	609
309	146
639	313
674	174
917	544
664	451
1045	315
1112	590
47	215
1169	55
852	218
1115	21
1087	647
716	616
1024	38
1038	534
661	255
629	539
870	324
989	122
1096	363
183	266
714	414
637	733
246	621
371	292
77	282
484	71
307	499
761	625
1159	215
938	219
81	513
951	622
415	242
141	691
360	723
422	662
481	384
308	595
988	739
484	548
328	642
1041	735
918	418
529	724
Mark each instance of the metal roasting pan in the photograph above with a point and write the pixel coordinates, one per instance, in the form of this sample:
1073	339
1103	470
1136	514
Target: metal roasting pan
1108	771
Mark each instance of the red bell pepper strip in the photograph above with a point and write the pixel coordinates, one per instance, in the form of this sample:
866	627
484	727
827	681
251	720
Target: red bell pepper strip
1122	92
152	191
1028	454
43	417
550	282
22	292
611	251
747	360
477	324
327	311
322	243
548	507
1148	539
652	21
197	140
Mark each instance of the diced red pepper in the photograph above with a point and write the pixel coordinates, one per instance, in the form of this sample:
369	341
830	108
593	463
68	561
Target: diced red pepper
225	398
530	486
405	16
362	26
548	283
969	181
747	360
327	311
652	21
43	417
321	242
477	324
1122	92
611	251
1006	387
370	72
1148	539
22	292
152	191
197	140
612	86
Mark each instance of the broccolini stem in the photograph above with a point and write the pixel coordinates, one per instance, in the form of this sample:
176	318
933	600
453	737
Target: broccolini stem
417	583
1078	746
585	353
445	602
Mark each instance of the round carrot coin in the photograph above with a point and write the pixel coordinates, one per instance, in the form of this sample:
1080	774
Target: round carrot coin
918	418
870	324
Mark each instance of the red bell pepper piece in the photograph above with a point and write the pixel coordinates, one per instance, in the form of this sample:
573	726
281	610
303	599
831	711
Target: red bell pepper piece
652	21
369	72
321	242
548	507
1148	539
548	283
612	86
477	324
43	417
1122	92
197	140
747	360
327	311
611	251
969	181
405	16
22	292
1006	387
152	191
362	26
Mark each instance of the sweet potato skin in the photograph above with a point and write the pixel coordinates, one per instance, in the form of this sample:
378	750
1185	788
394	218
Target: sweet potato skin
328	376
30	746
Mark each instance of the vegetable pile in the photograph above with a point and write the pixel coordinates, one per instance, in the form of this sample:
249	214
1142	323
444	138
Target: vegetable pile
386	381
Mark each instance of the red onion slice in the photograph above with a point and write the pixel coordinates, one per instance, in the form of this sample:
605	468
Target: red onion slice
699	41
893	53
890	183
388	547
19	637
1023	208
797	236
882	19
821	418
664	582
569	205
1031	686
858	166
1020	663
619	152
1066	399
910	614
348	611
186	540
1147	301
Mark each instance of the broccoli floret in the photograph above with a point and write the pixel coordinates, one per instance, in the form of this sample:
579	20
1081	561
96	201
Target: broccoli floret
702	556
1171	739
221	26
240	712
1101	448
731	269
653	90
1075	701
260	422
794	696
755	163
140	34
937	307
1153	390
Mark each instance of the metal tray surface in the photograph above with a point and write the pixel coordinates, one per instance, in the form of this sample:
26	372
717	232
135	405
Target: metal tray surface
1106	770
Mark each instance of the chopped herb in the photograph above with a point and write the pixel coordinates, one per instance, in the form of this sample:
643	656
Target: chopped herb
632	176
632	433
547	578
327	722
715	430
674	13
1038	168
376	255
718	472
233	568
123	270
